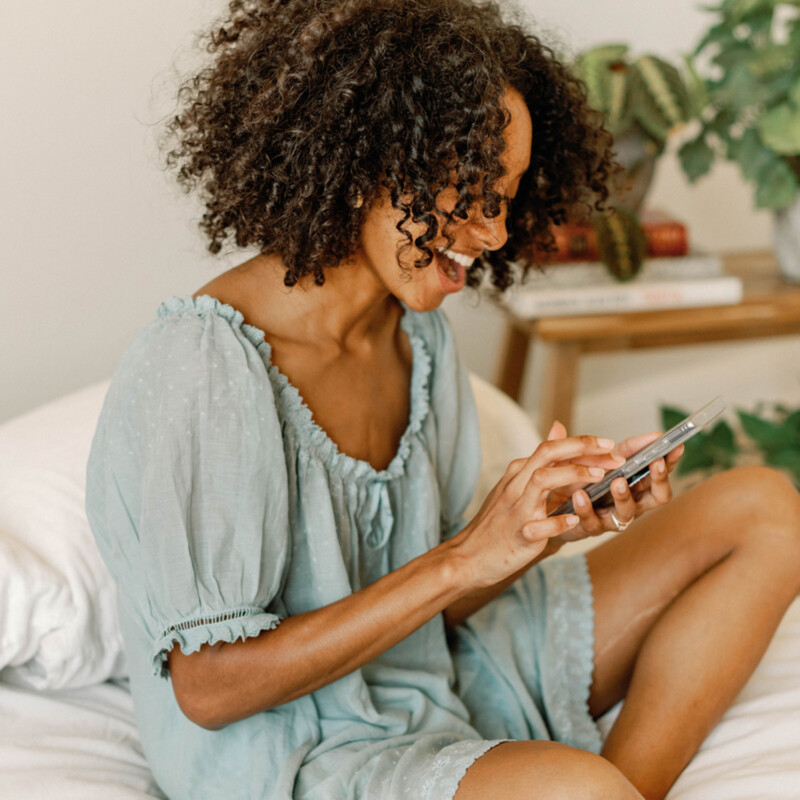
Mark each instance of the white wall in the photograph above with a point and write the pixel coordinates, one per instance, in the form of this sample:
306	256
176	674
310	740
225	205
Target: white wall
94	237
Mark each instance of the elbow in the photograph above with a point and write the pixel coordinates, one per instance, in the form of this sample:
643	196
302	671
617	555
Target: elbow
192	681
200	716
197	709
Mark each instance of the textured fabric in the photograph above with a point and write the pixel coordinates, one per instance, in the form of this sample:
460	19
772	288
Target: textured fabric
221	508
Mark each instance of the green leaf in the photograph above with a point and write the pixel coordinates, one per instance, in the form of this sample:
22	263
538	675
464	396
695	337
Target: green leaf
794	93
665	85
751	154
719	34
739	89
739	10
767	435
695	457
721	436
696	158
770	61
696	86
786	458
777	185
647	112
780	129
793	421
607	52
671	416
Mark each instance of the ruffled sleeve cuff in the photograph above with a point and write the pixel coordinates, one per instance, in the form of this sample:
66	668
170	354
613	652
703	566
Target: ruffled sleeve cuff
227	626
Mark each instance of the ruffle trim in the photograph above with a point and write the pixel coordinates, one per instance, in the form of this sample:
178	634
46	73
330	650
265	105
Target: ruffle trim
293	408
452	764
230	626
571	643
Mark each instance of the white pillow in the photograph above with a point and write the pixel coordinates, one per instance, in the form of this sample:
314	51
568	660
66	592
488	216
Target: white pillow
506	433
58	615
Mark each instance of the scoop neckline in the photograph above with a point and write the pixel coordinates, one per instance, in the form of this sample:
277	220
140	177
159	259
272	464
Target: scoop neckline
295	410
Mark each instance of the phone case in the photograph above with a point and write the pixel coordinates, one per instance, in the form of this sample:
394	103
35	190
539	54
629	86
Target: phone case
637	466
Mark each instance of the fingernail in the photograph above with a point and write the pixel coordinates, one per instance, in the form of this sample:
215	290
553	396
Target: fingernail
620	489
579	500
598	472
607	443
572	519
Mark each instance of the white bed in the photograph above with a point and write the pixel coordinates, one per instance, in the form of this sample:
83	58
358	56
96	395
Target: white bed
66	719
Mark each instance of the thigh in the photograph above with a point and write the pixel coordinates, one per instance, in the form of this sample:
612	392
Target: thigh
543	771
638	573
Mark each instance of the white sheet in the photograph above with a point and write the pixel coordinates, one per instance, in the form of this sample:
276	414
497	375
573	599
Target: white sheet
82	744
76	744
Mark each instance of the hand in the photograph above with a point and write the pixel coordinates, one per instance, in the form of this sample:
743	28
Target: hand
628	503
512	528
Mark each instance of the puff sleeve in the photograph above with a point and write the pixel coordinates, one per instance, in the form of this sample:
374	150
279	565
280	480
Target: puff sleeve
187	487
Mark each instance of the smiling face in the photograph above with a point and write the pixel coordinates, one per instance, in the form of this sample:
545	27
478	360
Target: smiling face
425	289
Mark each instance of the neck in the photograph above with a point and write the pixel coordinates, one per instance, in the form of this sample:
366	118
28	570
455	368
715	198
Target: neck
352	304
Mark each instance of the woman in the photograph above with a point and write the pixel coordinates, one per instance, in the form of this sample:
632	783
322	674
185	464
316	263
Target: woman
283	459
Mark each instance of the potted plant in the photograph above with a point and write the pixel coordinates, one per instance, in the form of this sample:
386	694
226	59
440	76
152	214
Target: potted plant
769	434
643	100
748	67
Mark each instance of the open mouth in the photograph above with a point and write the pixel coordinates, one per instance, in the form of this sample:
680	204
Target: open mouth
449	267
452	267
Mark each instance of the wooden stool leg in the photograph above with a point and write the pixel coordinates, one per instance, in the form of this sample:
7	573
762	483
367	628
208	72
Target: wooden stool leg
512	367
558	392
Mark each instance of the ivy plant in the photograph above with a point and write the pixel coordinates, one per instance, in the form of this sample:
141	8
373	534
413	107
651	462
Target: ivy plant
771	431
750	89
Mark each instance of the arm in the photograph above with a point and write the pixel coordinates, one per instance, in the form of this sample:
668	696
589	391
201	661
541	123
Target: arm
467	605
223	683
227	682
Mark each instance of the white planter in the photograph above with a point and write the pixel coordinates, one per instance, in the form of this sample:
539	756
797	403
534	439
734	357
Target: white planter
787	241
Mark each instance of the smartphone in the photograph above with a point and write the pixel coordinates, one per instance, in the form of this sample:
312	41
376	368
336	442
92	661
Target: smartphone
637	467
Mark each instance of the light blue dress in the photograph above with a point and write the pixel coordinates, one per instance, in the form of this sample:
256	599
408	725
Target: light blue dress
221	508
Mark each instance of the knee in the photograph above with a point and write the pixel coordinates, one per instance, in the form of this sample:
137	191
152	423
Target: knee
542	770
762	503
586	776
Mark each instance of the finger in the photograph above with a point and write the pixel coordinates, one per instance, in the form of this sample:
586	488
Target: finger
660	487
546	479
629	447
590	521
608	461
557	431
674	456
560	450
624	504
537	530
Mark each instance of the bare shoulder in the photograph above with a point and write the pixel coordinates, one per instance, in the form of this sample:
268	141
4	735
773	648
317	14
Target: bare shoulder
246	287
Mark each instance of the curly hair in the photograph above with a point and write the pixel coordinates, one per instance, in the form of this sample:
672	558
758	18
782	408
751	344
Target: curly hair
308	105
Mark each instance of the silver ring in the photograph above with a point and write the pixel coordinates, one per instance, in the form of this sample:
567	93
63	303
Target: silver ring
620	525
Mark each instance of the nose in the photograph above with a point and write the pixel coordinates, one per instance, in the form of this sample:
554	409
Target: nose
490	232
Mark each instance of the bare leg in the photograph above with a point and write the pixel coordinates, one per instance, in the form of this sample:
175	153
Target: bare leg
686	602
543	771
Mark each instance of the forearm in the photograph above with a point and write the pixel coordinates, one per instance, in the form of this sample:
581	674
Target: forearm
227	682
468	604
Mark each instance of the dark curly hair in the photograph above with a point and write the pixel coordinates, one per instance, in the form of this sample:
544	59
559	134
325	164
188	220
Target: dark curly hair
309	104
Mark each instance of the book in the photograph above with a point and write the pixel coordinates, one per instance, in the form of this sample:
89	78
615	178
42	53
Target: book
579	273
543	297
666	237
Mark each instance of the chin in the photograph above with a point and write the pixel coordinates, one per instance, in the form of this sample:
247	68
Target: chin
421	304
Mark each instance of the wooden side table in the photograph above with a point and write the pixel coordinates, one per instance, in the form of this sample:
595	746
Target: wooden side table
770	307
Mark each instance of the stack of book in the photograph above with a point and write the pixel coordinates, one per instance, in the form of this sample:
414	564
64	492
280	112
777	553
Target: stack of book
672	276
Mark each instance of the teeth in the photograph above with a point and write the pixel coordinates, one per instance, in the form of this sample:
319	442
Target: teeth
465	261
